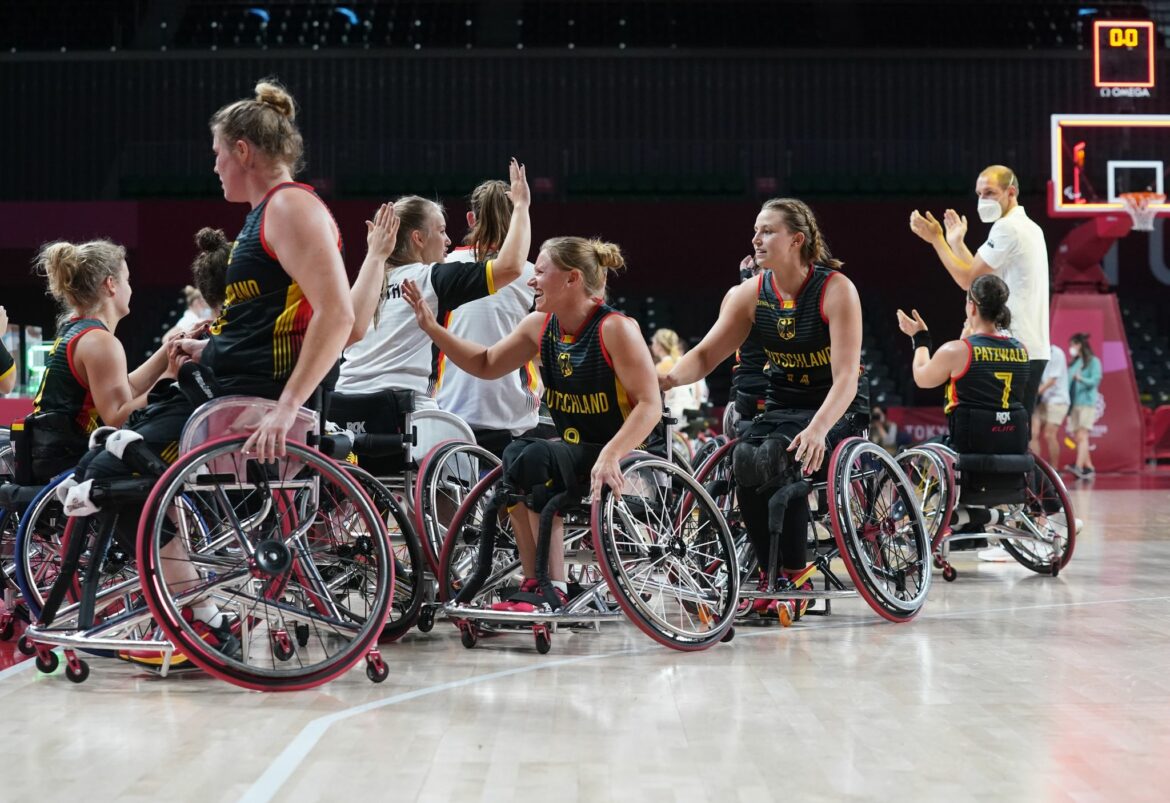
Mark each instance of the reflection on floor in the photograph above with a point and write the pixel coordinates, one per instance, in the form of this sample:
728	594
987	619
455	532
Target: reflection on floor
1009	686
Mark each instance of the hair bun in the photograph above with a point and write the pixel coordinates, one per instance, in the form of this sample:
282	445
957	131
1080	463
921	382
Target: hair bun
209	239
609	256
273	95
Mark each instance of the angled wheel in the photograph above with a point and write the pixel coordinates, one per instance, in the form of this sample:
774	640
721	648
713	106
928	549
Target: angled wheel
409	564
445	477
292	542
1047	514
933	482
879	529
460	553
667	555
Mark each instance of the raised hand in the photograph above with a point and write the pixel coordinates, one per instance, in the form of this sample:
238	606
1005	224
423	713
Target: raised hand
382	232
748	263
422	310
518	177
956	226
911	326
927	227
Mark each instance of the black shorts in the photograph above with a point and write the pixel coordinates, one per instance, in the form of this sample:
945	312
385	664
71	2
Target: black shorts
558	466
497	440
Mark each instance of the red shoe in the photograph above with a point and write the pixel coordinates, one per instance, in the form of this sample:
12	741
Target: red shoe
529	586
535	601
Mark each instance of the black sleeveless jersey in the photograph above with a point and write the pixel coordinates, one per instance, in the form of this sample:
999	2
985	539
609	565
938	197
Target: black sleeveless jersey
794	336
587	402
259	334
747	375
62	390
995	375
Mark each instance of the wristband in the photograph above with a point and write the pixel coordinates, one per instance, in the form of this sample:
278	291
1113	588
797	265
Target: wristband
920	339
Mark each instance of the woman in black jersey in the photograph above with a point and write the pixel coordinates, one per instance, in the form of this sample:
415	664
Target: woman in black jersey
985	371
287	310
599	383
85	382
806	316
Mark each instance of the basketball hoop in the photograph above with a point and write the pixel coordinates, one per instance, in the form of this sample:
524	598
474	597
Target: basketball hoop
1139	205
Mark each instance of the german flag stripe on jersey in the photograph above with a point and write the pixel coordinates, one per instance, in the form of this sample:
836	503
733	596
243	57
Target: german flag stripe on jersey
288	333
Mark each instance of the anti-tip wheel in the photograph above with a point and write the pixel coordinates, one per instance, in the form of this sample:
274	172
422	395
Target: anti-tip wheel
426	619
729	635
80	675
377	672
49	664
468	636
950	573
543	641
25	646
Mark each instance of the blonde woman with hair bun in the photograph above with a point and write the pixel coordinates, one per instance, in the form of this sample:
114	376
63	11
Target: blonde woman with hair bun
666	347
85	383
599	382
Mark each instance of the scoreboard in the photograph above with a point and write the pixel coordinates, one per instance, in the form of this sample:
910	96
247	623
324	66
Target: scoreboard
1123	57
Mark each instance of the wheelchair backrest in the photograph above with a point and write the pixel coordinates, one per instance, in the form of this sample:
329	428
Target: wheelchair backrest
240	415
981	431
382	412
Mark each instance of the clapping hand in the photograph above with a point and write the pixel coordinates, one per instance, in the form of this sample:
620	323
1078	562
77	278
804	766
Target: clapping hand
928	228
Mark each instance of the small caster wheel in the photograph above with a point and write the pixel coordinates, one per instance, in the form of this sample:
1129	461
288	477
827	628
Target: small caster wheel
25	646
377	672
49	663
469	636
949	574
282	649
1056	569
302	635
80	674
426	619
543	640
938	564
728	636
7	629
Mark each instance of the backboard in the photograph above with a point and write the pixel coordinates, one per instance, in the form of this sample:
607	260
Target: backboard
1097	157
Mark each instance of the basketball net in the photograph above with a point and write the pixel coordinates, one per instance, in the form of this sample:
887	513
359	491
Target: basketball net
1139	206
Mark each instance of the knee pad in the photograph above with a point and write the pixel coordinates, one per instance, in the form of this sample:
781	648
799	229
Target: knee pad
532	469
78	502
760	464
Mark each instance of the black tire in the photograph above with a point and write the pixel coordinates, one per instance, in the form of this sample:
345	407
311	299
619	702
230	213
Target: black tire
426	619
376	674
80	675
879	529
543	641
410	564
49	663
468	636
25	646
1047	511
7	630
729	635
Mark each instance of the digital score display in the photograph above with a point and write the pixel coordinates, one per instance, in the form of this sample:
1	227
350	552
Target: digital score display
1123	55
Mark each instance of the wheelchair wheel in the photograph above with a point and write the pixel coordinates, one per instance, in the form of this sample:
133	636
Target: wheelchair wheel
460	554
1048	513
932	478
292	542
879	529
41	540
445	478
704	451
667	555
409	564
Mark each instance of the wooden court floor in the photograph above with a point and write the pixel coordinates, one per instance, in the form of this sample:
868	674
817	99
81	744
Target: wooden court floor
1009	686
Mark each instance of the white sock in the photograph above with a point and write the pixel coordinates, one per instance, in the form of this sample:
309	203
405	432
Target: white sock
208	613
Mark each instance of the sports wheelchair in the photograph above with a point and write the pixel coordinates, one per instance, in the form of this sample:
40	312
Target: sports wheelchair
658	553
1016	498
292	552
863	513
382	431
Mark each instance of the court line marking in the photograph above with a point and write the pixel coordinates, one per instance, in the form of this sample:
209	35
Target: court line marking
281	769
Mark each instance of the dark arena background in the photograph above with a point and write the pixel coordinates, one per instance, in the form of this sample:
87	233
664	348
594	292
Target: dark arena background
660	126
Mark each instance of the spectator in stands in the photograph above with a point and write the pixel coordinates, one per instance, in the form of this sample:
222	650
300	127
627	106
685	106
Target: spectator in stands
198	312
882	430
1052	406
1084	379
667	349
1015	252
7	364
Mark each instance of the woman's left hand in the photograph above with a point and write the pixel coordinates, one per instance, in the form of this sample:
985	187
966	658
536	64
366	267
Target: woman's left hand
911	326
606	471
809	446
267	442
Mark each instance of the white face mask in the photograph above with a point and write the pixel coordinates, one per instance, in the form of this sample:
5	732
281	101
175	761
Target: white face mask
989	210
1074	351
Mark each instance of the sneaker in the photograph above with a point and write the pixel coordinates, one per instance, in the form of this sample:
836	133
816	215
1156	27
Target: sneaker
995	554
534	601
223	638
529	586
800	606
